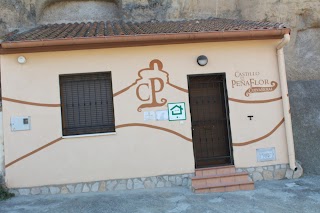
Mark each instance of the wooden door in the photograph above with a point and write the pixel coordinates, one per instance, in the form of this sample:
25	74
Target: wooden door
210	120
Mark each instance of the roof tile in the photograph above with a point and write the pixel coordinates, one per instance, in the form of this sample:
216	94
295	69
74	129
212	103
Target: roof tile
79	30
109	29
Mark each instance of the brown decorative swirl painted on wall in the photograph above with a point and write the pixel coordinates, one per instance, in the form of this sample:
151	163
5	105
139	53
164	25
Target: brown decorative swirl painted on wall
260	138
30	103
33	152
154	127
274	86
255	101
117	127
154	85
157	65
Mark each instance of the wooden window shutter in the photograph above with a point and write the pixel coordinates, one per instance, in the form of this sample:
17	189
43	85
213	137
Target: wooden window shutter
87	103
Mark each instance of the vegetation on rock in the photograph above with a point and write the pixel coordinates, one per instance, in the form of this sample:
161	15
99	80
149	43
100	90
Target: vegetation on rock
4	193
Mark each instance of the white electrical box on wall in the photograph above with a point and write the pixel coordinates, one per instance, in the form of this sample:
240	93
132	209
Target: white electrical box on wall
20	123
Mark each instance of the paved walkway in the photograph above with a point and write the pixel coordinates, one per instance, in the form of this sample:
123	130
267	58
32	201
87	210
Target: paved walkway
302	195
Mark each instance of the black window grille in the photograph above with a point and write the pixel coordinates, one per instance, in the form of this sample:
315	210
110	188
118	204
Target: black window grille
87	103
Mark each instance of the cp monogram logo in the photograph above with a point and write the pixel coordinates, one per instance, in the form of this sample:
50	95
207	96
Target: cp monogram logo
150	84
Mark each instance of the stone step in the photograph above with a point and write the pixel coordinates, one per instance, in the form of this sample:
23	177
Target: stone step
225	187
219	179
215	170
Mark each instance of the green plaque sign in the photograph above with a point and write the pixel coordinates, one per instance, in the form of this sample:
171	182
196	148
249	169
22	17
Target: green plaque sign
177	111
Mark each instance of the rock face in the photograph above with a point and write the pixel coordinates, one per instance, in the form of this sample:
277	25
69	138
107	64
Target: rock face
74	12
304	55
305	100
16	14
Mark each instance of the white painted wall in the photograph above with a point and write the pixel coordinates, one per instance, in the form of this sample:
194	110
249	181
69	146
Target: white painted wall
133	151
1	148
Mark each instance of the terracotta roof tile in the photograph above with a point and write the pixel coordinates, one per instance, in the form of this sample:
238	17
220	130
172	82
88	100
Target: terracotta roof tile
75	30
100	29
109	29
118	29
121	28
135	29
84	30
127	29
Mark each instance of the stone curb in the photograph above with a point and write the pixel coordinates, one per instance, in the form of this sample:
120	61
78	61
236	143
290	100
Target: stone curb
274	172
164	181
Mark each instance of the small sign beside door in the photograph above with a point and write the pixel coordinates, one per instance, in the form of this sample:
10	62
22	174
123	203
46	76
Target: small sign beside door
177	111
266	154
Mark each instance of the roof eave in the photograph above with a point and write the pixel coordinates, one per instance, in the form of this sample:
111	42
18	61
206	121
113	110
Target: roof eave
137	40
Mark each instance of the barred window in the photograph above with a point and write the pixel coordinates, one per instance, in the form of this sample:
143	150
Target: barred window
86	103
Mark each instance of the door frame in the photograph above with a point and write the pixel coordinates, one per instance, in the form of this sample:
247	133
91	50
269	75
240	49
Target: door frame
226	104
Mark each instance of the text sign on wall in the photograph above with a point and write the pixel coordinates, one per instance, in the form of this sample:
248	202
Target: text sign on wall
254	82
267	154
177	111
149	116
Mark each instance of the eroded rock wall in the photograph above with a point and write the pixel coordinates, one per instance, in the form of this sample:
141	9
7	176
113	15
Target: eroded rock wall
73	11
303	17
16	14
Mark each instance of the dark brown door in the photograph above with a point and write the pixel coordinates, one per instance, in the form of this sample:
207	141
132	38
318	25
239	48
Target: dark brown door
210	120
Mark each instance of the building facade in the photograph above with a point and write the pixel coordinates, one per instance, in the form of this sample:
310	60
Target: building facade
102	109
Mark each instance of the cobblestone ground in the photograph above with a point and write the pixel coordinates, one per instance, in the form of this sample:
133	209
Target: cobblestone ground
299	195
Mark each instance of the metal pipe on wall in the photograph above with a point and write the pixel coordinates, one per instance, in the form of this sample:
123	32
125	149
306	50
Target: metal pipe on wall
1	136
285	101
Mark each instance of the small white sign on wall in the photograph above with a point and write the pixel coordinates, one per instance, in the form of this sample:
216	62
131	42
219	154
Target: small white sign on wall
149	116
266	154
162	115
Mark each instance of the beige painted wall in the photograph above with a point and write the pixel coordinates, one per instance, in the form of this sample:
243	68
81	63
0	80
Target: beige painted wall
1	149
132	151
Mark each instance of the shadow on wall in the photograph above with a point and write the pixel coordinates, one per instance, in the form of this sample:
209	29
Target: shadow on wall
304	100
78	11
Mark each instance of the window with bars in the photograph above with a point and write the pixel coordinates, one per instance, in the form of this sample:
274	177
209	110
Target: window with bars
87	103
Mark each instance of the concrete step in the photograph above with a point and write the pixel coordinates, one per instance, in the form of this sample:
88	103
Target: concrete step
215	171
225	187
219	179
